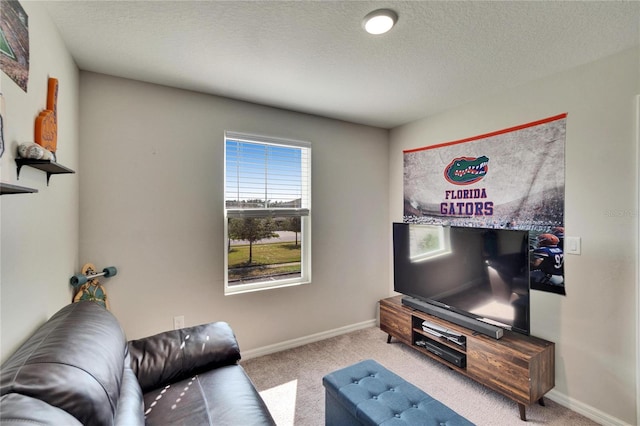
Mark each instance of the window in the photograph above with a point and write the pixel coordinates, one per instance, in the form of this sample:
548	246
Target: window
267	212
429	241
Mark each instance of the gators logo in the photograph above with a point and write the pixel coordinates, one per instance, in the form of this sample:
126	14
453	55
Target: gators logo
466	170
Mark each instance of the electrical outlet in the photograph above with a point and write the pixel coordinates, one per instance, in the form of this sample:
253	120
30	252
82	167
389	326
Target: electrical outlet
178	322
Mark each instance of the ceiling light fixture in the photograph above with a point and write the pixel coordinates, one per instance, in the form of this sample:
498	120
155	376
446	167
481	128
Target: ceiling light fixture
379	21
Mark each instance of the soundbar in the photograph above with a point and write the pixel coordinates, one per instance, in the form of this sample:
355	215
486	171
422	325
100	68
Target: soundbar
454	317
441	351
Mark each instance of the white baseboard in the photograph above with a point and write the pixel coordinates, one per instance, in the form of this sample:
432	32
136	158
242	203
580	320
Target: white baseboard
294	343
588	411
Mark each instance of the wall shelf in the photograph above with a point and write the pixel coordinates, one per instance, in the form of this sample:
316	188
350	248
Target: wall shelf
50	167
8	188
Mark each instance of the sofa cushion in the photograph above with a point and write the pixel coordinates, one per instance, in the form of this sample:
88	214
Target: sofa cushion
20	410
223	396
178	354
80	351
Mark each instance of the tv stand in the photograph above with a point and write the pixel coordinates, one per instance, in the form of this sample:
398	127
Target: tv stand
520	367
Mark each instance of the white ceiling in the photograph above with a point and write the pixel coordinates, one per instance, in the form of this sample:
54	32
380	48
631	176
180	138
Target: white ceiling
314	56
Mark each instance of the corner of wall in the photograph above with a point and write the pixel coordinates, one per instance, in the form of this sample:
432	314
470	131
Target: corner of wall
39	238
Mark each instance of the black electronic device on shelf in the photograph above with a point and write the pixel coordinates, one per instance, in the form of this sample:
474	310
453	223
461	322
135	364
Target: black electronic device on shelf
443	332
456	358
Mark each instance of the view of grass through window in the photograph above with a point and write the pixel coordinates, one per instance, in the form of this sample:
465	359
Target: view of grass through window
267	208
263	249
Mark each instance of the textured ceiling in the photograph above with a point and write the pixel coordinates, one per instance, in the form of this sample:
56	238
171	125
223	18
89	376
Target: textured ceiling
314	57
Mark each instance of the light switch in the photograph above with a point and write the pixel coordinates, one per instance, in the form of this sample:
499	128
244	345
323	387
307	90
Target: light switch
572	245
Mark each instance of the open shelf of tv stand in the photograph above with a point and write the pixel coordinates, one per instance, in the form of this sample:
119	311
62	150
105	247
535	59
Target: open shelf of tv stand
520	367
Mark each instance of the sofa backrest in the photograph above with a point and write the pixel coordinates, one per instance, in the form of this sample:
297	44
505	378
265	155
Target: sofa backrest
74	362
174	355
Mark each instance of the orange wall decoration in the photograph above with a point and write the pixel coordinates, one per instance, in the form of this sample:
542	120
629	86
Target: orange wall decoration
46	131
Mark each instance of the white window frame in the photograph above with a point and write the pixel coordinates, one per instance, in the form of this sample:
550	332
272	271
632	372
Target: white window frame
304	212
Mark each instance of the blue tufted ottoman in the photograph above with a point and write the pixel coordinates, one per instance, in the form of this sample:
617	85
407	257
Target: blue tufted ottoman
366	393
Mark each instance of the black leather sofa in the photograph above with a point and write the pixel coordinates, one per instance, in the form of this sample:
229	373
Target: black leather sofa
78	368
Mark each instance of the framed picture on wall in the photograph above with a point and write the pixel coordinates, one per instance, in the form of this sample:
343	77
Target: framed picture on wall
14	42
2	115
507	179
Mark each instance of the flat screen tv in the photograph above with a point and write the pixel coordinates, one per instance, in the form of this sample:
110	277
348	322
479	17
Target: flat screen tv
480	273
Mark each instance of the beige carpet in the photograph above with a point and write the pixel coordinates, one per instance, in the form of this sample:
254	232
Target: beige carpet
291	383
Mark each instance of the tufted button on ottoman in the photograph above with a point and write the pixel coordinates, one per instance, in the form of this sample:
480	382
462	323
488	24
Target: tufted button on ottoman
366	393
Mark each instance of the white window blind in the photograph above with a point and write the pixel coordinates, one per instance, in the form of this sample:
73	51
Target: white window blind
266	176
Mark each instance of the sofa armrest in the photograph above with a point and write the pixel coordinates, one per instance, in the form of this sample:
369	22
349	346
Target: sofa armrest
22	410
175	355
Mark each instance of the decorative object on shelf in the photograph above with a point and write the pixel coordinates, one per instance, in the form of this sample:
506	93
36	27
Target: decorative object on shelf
14	42
34	151
46	129
87	285
42	154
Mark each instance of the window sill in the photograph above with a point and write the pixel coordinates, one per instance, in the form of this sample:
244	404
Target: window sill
250	288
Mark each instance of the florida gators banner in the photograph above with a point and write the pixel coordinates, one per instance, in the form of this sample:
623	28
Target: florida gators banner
509	179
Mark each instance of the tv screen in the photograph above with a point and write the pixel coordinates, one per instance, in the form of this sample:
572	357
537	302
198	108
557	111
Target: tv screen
477	272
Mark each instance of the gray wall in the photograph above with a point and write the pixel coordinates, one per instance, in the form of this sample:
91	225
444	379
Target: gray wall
39	232
152	205
594	326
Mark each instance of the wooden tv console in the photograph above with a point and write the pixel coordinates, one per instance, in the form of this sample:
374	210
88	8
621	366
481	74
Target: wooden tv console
520	367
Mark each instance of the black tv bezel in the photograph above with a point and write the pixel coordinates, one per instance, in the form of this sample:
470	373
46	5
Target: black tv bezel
463	312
